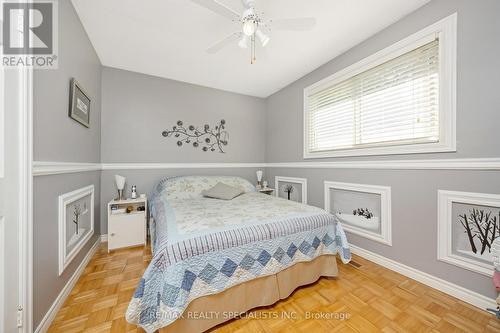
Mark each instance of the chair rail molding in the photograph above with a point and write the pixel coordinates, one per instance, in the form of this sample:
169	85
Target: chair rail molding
160	166
45	168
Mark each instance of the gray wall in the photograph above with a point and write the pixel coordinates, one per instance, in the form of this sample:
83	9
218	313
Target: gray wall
138	107
414	193
478	79
59	138
46	283
414	213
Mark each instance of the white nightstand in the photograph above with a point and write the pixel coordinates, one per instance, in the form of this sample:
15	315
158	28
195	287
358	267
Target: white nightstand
127	229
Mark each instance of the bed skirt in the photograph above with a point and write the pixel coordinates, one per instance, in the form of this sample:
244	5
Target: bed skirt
209	311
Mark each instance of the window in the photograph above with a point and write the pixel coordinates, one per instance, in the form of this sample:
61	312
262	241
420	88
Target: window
398	101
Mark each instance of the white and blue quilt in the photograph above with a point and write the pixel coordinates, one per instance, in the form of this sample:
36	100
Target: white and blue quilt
203	246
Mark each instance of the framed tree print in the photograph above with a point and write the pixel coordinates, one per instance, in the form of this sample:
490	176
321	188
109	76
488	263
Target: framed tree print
291	188
76	223
468	224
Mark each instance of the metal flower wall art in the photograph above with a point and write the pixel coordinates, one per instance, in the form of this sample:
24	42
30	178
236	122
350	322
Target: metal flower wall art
207	138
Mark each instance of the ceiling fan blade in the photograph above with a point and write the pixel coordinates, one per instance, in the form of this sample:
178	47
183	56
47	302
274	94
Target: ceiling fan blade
303	23
224	42
219	8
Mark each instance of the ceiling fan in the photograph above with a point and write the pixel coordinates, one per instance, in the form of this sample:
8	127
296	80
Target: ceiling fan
253	25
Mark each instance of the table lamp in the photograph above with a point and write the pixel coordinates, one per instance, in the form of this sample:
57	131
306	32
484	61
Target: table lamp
120	185
259	178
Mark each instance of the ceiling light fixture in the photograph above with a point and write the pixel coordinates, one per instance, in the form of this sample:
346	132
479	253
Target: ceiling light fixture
249	27
250	32
252	25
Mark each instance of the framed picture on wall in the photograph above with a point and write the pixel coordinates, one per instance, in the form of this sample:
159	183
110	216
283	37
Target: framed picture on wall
468	223
291	188
363	210
79	104
76	223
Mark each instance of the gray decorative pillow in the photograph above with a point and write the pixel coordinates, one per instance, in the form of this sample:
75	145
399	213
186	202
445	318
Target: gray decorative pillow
222	191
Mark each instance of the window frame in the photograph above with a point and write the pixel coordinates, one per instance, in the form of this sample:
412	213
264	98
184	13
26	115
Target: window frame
446	31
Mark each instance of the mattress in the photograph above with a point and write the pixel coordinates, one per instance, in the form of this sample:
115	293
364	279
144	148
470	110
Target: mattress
203	246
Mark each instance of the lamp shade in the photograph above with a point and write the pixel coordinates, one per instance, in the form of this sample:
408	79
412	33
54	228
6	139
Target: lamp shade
120	182
259	175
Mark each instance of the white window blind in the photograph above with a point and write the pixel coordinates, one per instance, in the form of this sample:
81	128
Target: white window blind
394	103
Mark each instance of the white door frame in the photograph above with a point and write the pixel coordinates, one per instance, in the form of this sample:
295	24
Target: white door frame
17	193
25	208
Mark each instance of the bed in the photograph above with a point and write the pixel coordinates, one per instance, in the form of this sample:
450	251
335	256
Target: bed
210	255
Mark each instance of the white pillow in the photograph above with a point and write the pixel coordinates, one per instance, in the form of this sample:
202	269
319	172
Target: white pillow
222	191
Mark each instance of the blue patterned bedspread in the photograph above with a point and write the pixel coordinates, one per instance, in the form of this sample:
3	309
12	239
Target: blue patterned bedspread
204	246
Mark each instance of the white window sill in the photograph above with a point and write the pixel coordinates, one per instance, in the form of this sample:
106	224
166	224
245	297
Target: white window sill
394	150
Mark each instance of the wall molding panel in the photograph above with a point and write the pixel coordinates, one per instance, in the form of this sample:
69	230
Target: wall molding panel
445	239
449	288
64	201
295	180
53	168
385	235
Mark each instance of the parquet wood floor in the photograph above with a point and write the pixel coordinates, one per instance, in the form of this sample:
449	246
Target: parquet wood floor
371	299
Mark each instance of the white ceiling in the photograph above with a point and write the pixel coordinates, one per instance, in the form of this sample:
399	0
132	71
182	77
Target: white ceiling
168	38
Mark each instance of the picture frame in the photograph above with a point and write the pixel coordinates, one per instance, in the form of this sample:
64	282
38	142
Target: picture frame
460	242
296	193
79	104
364	210
75	230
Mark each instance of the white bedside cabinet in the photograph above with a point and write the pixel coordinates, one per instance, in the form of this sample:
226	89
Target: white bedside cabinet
126	229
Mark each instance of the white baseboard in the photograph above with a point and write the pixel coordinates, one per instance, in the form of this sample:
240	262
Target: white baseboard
449	288
58	303
104	238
